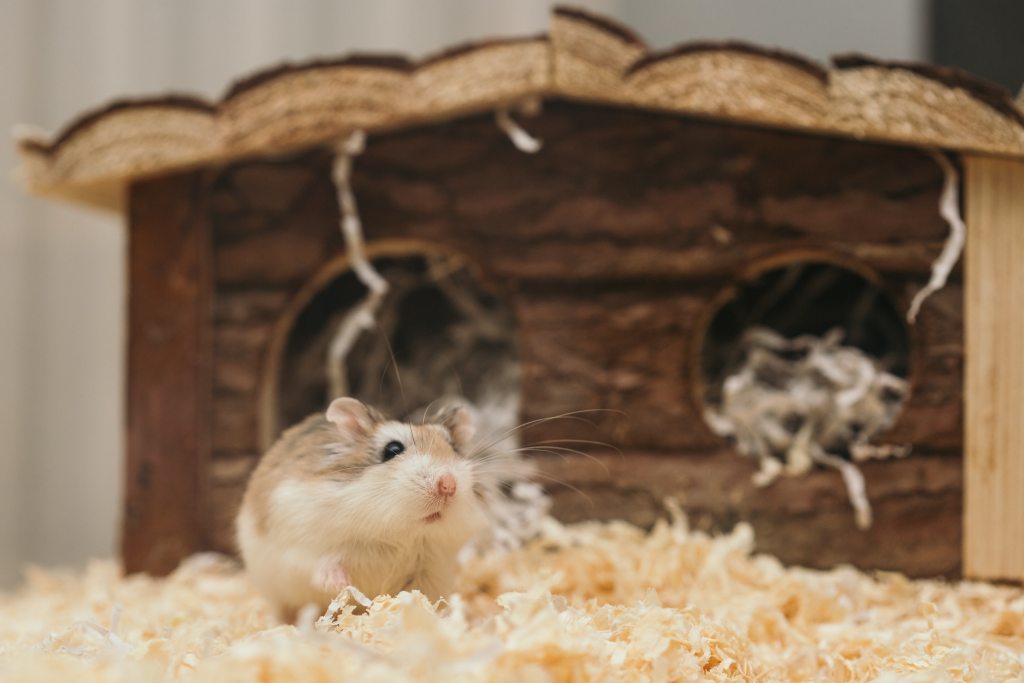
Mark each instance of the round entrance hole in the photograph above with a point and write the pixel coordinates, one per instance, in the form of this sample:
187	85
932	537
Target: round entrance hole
440	333
806	362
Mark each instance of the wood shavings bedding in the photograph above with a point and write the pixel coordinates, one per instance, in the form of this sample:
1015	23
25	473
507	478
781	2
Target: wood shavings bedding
591	602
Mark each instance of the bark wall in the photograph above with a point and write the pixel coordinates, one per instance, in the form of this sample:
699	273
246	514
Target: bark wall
611	245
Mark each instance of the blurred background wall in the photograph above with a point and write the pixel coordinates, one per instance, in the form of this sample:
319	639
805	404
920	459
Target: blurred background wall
61	268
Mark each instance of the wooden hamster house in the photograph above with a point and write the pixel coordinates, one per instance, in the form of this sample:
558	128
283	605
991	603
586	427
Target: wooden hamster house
665	180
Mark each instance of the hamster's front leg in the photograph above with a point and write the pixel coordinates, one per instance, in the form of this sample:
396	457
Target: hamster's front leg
331	576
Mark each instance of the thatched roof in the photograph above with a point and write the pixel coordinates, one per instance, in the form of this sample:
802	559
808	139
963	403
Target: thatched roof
584	57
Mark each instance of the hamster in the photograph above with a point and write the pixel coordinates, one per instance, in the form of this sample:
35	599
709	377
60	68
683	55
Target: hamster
349	497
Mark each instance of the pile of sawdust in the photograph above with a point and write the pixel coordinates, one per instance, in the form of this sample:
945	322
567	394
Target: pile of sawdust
590	602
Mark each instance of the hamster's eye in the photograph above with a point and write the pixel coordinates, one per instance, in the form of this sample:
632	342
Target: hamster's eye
392	449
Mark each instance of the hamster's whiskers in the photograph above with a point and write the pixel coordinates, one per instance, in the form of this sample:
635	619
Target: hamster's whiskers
571	415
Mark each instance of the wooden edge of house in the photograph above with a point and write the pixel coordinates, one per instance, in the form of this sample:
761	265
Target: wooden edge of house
585	57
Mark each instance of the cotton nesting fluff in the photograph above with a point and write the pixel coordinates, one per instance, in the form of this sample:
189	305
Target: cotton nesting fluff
591	602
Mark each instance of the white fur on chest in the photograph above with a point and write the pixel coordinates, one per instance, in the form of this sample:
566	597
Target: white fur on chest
309	523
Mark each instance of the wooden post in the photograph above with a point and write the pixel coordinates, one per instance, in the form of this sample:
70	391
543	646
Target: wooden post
994	387
169	298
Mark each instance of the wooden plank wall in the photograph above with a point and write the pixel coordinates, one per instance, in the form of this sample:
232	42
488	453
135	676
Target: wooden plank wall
169	351
994	390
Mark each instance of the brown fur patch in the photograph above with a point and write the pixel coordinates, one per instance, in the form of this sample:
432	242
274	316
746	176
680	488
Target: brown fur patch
434	439
309	450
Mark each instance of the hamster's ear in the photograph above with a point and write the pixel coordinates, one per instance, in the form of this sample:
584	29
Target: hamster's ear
350	416
460	421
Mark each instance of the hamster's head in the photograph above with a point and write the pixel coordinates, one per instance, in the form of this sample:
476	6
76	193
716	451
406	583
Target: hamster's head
380	479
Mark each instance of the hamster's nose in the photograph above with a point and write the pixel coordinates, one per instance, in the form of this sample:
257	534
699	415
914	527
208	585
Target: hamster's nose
446	485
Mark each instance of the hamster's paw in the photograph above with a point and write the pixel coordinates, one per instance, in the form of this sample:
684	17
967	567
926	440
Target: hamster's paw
330	575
